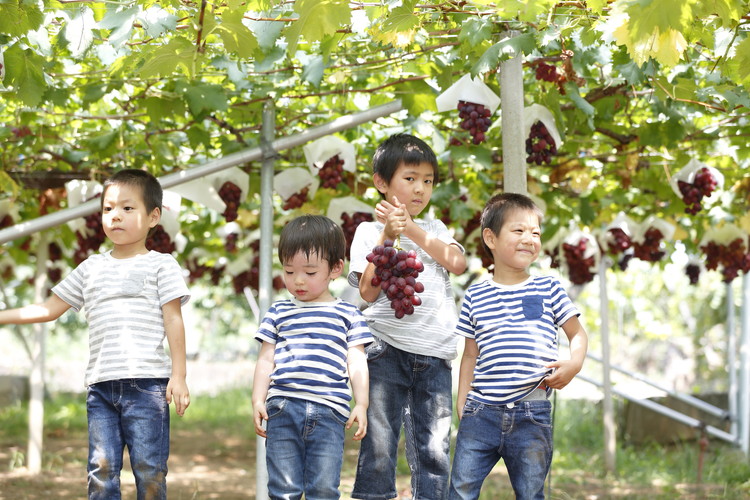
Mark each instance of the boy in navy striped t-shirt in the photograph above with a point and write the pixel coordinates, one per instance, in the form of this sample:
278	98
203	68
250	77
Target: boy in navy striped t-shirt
510	363
312	346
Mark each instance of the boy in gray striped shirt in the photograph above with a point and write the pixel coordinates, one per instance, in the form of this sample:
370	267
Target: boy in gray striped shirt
132	299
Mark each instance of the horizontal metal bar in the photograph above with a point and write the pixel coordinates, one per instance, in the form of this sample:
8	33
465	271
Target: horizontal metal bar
252	154
668	412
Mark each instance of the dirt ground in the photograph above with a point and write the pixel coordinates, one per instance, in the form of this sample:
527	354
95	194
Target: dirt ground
219	465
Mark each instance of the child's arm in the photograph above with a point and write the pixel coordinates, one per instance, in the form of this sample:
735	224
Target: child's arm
447	255
359	377
49	310
261	382
174	327
466	373
569	368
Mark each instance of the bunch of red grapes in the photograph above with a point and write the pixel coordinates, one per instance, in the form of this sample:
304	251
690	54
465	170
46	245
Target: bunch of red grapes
90	239
547	72
733	258
349	226
702	186
618	241
396	273
475	118
6	221
230	194
251	277
332	172
650	250
540	146
296	200
693	272
579	267
160	241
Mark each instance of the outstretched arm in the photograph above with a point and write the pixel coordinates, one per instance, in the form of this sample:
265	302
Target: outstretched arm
49	310
566	369
174	327
359	377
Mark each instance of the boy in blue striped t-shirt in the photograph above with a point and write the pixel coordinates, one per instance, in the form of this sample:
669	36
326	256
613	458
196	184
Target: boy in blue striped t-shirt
510	363
312	346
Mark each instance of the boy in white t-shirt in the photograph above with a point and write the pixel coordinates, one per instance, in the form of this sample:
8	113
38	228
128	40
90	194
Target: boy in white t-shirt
132	299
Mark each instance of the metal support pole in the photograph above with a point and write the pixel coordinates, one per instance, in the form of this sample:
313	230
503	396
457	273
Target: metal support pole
511	106
732	395
607	406
265	267
743	416
239	158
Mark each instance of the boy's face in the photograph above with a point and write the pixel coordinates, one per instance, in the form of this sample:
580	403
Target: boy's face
125	219
411	184
307	278
518	243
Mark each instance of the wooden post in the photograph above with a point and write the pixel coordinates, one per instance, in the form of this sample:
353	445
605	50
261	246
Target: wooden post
514	140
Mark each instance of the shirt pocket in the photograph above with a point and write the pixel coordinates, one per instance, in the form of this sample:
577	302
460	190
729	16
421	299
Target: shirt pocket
533	307
133	283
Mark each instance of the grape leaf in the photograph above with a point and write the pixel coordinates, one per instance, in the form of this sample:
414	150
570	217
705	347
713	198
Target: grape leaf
205	97
165	60
317	19
236	36
503	50
16	18
476	31
23	71
121	24
313	70
727	10
156	20
401	18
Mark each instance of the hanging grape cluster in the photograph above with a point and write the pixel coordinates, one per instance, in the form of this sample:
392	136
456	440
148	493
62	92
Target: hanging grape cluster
332	172
396	273
349	225
620	246
90	239
230	194
160	241
540	146
651	249
693	272
475	118
579	267
693	193
732	258
296	200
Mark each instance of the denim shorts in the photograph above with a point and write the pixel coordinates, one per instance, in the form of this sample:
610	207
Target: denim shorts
132	413
520	434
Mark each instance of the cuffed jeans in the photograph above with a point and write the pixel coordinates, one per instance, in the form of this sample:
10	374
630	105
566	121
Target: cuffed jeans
132	412
520	434
414	391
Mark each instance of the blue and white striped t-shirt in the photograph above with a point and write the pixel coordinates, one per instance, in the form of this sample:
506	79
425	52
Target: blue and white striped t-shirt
311	344
515	328
122	301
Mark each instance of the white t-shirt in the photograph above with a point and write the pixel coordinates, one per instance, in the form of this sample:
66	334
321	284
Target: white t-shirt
122	301
429	331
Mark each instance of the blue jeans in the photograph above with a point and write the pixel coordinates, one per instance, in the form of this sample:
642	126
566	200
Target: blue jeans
132	412
414	391
521	436
304	449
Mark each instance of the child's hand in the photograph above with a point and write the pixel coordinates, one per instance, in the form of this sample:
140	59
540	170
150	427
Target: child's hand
177	389
359	415
259	415
394	216
564	372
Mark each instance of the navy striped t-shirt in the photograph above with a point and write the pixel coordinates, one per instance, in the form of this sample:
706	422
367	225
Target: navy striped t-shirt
515	328
311	344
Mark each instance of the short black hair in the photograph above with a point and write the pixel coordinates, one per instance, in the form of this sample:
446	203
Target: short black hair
402	148
149	185
312	234
497	208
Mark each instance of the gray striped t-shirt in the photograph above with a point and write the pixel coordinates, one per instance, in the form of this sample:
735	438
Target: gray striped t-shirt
429	331
122	301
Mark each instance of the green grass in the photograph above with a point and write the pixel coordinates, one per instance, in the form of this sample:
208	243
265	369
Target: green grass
578	462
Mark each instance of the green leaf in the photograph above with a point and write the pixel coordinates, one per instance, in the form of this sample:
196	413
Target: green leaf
313	71
102	141
159	108
156	20
571	90
503	50
476	31
417	97
23	72
728	11
198	136
237	37
17	18
165	60
317	19
401	18
8	186
121	24
205	98
741	62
